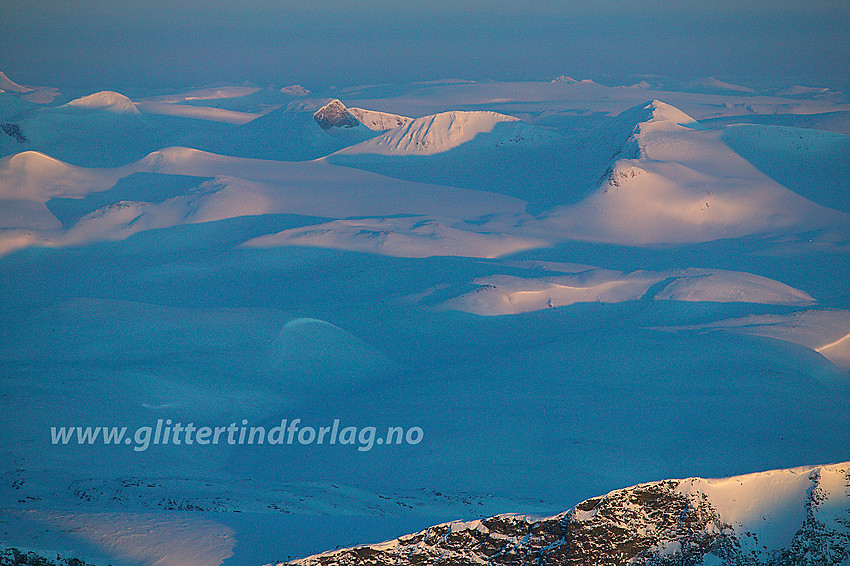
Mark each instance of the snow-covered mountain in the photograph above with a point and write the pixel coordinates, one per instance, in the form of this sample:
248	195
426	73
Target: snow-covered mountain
106	100
295	90
334	115
568	288
794	516
443	132
673	181
565	80
33	94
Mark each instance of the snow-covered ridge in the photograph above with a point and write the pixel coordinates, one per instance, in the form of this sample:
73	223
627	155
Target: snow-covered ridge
213	93
441	132
782	516
250	187
711	84
34	94
379	121
671	180
800	90
169	105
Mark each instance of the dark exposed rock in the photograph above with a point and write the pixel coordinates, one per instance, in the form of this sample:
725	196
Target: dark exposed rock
14	131
335	115
15	557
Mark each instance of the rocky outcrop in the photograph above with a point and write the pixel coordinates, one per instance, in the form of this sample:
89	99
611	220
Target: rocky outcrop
672	522
335	115
14	131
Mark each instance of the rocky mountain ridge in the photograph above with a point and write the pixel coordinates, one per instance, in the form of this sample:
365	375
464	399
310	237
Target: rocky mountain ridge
784	517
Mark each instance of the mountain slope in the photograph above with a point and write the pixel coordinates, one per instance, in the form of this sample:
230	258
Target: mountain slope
671	181
814	164
795	516
379	121
290	134
478	150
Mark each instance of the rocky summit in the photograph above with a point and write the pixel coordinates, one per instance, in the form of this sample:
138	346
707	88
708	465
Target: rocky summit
335	115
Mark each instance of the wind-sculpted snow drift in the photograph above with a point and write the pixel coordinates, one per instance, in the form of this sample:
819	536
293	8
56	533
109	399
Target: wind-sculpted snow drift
796	516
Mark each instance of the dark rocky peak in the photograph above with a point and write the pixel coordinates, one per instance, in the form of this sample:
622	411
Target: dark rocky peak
335	115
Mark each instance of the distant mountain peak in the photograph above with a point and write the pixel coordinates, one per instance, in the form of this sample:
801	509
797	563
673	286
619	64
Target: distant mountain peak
655	115
335	115
295	90
564	79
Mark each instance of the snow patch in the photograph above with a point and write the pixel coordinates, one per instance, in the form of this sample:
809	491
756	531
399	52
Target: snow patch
148	538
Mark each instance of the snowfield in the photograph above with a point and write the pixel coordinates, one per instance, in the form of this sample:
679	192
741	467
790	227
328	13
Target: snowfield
569	287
